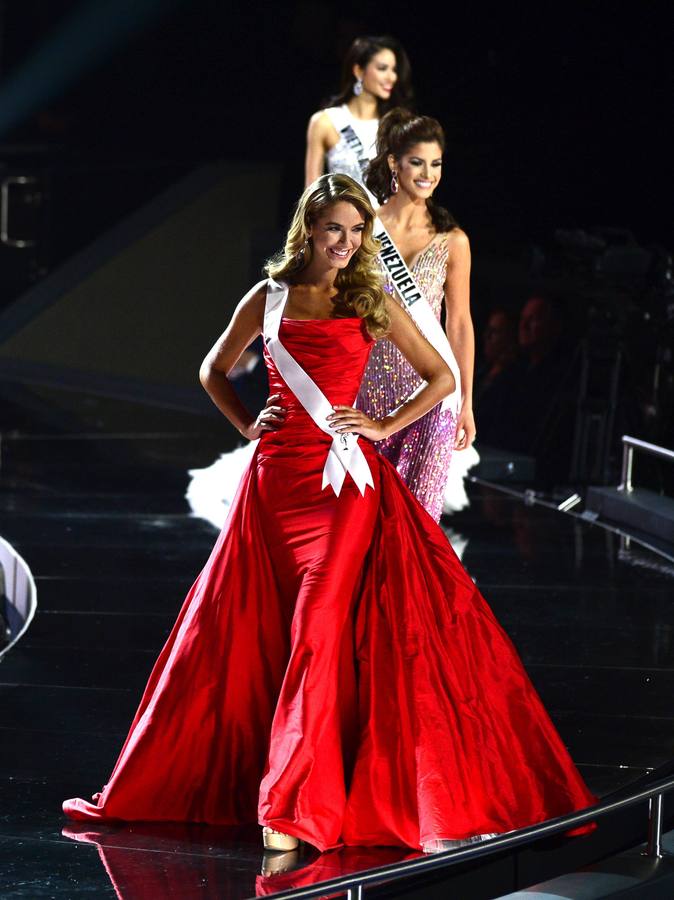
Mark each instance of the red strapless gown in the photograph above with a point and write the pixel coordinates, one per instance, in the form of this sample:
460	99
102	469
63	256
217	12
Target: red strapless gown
334	672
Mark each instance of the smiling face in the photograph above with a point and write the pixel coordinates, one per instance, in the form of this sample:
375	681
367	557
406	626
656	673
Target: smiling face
337	234
379	75
419	170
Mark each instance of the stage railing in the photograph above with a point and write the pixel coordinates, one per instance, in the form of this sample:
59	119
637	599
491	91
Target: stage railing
354	885
630	444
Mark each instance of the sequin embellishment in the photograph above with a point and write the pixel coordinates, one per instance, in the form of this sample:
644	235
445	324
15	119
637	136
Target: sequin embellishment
421	452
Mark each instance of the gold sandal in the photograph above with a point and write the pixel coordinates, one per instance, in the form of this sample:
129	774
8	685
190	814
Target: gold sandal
277	840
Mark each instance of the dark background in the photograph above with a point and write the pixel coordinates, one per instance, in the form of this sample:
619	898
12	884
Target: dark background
556	115
558	166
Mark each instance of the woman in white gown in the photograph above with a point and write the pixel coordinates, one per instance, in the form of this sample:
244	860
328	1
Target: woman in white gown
375	78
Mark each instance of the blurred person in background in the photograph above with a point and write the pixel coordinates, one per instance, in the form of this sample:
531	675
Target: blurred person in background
499	349
528	405
496	381
376	77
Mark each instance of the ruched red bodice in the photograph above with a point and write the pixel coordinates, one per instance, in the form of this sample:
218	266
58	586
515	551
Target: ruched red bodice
334	672
334	352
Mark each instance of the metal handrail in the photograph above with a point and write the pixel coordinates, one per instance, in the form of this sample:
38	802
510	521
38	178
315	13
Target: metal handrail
353	885
630	444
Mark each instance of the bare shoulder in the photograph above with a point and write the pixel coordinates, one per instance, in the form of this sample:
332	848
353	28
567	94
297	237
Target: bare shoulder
458	258
320	125
457	241
252	304
258	295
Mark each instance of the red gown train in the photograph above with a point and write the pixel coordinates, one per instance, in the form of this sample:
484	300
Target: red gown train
334	672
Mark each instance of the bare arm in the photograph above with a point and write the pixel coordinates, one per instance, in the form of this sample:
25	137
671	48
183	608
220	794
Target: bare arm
317	146
244	327
460	331
425	360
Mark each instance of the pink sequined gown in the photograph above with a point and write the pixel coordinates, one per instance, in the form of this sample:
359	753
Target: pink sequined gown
421	452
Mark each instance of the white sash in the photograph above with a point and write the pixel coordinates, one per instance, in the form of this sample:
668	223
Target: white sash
341	119
410	293
348	132
344	454
412	298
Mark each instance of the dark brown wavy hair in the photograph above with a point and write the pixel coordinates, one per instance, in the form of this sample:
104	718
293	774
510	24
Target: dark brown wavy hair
359	54
399	130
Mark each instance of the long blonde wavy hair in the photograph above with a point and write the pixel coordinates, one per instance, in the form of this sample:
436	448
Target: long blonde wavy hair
360	284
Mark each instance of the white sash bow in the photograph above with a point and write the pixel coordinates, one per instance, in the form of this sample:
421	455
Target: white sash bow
344	454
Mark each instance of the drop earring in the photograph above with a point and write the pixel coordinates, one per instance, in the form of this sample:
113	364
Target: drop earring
358	87
394	183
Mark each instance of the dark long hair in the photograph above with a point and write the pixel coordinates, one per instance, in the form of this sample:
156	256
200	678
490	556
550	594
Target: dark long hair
359	54
399	130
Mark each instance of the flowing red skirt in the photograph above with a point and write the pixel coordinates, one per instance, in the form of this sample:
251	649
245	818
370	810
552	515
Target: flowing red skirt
335	673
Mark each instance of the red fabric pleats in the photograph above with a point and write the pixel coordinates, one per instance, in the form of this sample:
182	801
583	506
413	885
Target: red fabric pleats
454	740
198	744
334	672
319	563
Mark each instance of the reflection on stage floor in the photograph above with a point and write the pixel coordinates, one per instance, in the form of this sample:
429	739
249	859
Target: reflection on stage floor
114	547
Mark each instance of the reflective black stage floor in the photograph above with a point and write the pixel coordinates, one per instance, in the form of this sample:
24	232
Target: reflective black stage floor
103	525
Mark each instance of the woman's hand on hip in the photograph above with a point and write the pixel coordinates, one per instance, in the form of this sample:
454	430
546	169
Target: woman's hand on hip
269	419
345	419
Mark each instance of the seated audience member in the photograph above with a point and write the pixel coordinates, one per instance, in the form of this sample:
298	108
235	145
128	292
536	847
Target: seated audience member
499	349
529	407
494	383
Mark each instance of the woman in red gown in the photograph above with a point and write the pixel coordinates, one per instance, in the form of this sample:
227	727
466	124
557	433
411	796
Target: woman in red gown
334	671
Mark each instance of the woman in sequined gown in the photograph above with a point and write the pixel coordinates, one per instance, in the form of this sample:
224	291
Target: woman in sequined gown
375	78
403	176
